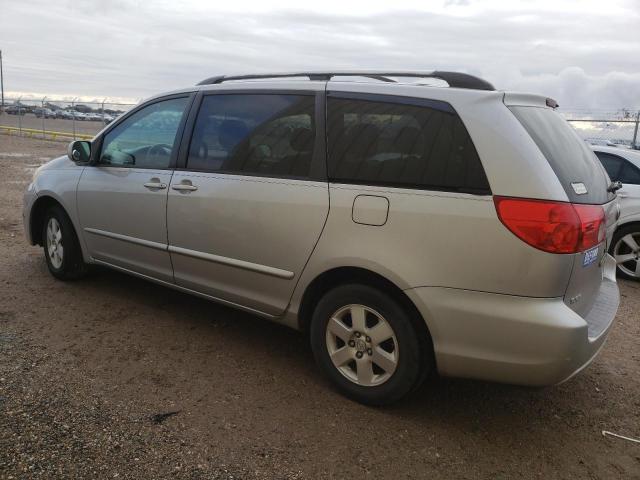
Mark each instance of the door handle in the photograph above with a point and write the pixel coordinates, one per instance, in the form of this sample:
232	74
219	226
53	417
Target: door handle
184	187
155	185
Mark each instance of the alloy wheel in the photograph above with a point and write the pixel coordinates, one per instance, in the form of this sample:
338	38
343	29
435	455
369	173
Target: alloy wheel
362	345
54	243
627	254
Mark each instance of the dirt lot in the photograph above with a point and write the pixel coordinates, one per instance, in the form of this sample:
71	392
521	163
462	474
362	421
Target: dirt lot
85	367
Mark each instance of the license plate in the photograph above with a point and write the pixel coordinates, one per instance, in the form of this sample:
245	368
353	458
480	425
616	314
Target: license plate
590	256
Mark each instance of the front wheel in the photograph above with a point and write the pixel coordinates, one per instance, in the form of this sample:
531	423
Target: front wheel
61	247
367	344
625	248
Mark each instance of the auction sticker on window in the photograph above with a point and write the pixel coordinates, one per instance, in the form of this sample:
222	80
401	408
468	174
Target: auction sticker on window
590	256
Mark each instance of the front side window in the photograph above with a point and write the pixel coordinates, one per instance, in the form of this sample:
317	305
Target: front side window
254	134
403	145
147	138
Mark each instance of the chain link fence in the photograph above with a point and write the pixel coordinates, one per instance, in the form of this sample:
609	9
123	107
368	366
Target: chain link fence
58	120
607	127
74	119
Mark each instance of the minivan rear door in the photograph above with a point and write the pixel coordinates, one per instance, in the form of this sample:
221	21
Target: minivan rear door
250	199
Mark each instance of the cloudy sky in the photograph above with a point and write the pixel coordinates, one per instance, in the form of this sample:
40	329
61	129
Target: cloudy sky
585	53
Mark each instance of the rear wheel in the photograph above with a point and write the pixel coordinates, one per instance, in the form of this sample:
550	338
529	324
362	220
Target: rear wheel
61	247
625	248
367	345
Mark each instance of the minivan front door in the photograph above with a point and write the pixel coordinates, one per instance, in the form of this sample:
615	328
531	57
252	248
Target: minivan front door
245	214
122	199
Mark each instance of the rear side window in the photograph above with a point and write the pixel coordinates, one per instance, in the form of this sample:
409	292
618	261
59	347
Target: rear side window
254	134
570	157
402	144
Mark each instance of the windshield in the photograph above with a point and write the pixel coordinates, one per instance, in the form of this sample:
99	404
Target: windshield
575	164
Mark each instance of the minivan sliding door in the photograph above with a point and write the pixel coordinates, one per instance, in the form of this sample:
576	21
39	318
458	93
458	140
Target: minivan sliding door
247	209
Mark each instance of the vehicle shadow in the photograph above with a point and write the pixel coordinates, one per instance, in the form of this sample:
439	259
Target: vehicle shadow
468	404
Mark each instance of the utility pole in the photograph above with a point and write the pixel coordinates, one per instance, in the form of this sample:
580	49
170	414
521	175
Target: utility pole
635	143
1	85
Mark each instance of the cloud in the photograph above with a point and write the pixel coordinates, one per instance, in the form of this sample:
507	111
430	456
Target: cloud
584	57
457	3
612	90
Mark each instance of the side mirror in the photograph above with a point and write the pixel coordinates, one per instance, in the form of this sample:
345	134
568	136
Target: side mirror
79	151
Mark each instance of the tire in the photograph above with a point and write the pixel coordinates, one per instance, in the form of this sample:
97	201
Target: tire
620	248
344	356
61	247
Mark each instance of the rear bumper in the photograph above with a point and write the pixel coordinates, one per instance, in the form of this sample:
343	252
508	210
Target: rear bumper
510	339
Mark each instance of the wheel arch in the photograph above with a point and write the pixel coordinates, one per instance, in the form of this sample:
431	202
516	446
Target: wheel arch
635	221
329	279
36	218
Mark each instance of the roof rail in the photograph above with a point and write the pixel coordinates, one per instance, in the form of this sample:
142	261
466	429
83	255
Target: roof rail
454	79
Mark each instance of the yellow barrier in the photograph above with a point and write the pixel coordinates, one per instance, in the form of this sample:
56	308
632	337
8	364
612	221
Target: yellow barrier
54	135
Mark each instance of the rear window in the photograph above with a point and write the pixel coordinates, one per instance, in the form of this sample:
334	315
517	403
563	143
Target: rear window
571	159
403	143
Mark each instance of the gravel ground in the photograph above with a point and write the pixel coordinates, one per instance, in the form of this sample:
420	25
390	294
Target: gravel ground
91	370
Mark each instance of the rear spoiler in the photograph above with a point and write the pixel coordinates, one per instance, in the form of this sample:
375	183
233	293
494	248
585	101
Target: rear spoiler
528	100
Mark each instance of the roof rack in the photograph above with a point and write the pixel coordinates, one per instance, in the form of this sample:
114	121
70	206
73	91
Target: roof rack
454	79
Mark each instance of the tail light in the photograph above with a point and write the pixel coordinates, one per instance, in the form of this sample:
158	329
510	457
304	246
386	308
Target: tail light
555	227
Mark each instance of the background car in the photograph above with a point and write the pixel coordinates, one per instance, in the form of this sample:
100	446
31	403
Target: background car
15	110
64	114
44	112
79	115
603	142
623	165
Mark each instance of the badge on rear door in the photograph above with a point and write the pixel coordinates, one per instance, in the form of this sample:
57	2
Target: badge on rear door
590	256
579	188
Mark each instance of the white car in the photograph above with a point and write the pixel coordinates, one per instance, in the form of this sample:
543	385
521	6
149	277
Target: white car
624	166
600	142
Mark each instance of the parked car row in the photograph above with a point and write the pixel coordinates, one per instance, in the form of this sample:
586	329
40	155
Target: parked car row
404	229
41	112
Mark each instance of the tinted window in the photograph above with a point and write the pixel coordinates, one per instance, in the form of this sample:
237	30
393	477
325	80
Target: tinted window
630	174
404	145
611	164
147	138
254	134
570	157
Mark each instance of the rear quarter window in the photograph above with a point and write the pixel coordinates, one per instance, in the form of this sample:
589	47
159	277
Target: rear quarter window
396	142
570	157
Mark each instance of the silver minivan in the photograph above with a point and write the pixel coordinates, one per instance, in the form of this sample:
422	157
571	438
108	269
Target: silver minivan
404	227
